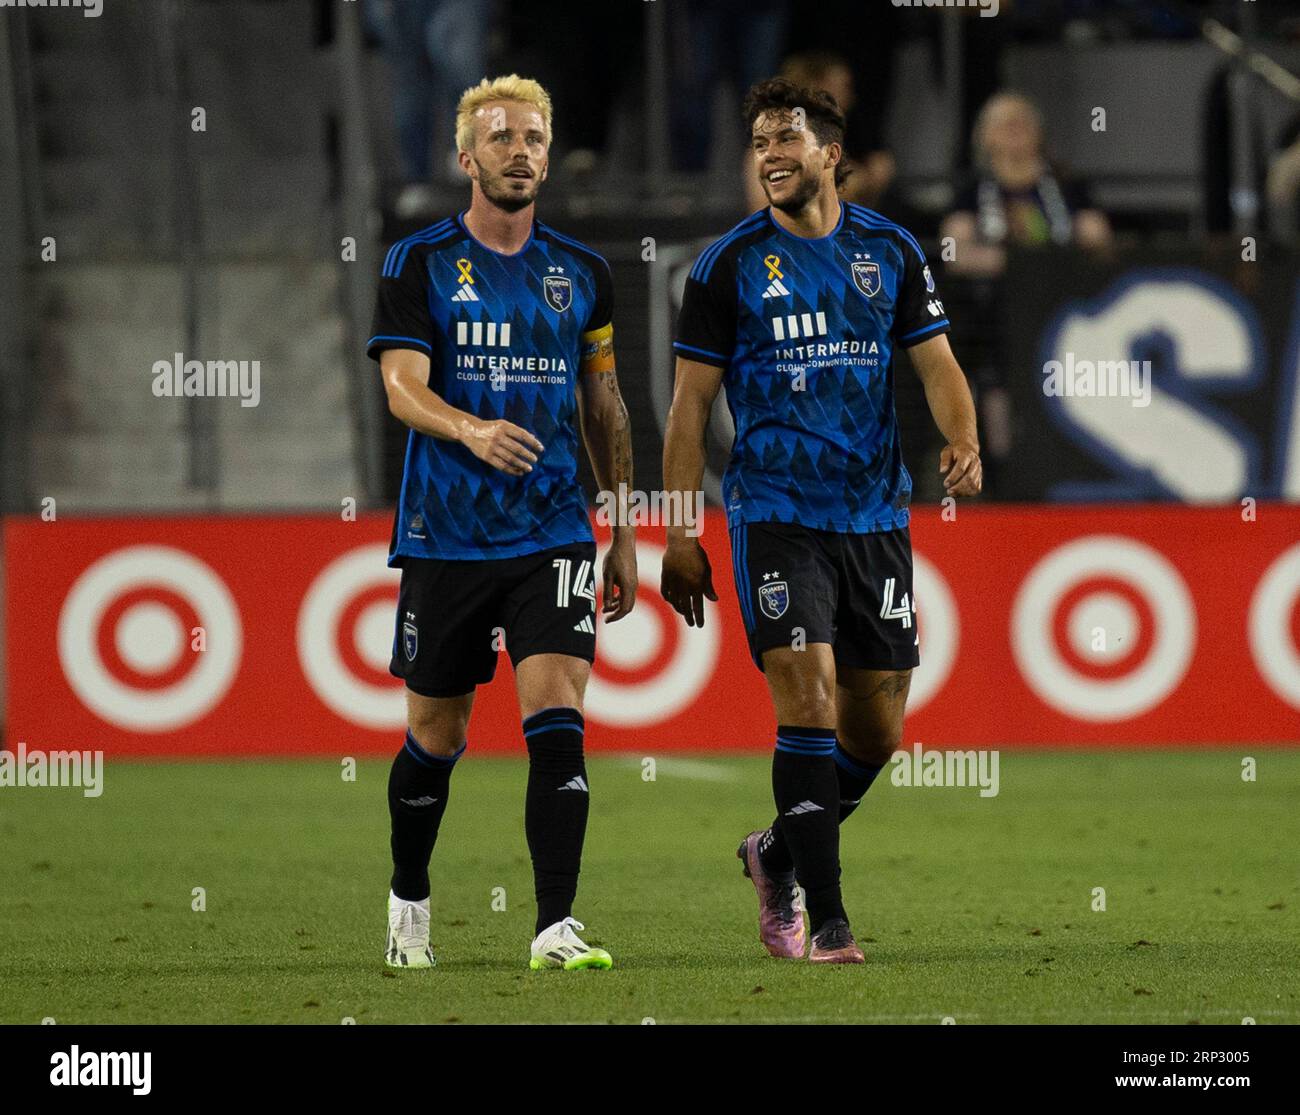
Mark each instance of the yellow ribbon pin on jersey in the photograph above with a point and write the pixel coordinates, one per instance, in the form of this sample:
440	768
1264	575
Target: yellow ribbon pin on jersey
463	266
773	267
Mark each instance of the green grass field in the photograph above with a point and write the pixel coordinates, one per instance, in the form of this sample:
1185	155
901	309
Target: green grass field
977	909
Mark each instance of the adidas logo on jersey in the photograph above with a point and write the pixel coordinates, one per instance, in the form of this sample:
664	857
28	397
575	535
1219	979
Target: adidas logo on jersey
776	289
793	326
465	294
575	783
803	807
585	626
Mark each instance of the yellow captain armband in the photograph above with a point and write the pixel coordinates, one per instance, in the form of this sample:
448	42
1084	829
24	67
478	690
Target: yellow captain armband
598	349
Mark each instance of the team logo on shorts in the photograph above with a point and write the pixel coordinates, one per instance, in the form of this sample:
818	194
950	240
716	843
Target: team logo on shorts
773	598
558	291
866	277
410	640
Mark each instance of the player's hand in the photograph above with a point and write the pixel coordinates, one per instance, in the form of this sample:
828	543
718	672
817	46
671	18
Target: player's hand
501	444
960	462
620	573
687	580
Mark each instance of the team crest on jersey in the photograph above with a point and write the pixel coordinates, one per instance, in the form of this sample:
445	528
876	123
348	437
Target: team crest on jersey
866	277
774	598
929	279
410	641
558	291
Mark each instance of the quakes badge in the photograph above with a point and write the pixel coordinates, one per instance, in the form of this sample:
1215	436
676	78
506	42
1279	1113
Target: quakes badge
773	599
866	277
410	641
558	291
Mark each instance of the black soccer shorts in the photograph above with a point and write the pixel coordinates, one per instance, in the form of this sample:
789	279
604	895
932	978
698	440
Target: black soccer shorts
454	616
854	591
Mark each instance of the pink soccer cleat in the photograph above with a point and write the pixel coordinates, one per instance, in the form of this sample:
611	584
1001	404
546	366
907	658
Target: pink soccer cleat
780	914
834	944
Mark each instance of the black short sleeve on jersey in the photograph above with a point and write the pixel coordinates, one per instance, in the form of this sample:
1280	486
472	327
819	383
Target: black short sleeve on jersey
602	311
402	310
918	310
706	325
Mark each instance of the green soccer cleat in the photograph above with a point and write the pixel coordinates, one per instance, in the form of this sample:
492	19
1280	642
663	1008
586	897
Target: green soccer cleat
558	946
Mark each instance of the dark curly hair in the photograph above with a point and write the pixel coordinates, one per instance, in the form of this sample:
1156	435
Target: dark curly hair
821	112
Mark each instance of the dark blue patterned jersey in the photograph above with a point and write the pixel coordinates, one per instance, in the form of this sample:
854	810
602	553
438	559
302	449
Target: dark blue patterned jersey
505	336
805	331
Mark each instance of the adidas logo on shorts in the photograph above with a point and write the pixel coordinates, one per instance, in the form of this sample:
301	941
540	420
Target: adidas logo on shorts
585	626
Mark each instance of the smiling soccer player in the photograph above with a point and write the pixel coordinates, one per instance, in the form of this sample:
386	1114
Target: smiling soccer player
798	310
495	340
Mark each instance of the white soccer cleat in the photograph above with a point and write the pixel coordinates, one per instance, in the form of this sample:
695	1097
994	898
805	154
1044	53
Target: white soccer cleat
408	934
558	946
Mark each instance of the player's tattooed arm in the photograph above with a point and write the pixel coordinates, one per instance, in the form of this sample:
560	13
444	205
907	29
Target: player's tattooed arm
953	409
501	444
607	431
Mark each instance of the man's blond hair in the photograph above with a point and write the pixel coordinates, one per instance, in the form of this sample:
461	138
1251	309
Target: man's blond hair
512	87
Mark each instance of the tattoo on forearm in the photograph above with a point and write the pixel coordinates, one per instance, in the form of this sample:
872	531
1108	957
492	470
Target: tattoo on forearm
619	429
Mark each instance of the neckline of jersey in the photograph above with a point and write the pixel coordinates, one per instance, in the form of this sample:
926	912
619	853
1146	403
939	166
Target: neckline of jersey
532	234
809	239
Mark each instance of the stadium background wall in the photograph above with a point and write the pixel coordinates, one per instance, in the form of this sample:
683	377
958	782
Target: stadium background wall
1198	611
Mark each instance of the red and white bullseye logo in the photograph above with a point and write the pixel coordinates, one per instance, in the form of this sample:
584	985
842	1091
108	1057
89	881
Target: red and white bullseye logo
1103	628
939	627
1274	627
649	665
125	638
345	638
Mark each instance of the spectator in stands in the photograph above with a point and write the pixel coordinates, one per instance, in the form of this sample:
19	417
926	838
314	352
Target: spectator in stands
739	40
1017	197
872	168
437	49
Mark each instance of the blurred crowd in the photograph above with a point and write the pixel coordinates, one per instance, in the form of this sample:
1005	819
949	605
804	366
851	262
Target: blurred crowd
1007	187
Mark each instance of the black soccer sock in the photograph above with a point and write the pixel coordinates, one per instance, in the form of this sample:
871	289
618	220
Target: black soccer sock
855	779
418	785
806	789
555	812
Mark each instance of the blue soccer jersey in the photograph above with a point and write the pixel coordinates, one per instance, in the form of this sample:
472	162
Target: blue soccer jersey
504	335
805	330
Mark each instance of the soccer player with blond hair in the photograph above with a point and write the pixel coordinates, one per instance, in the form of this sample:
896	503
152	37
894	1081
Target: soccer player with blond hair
495	339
